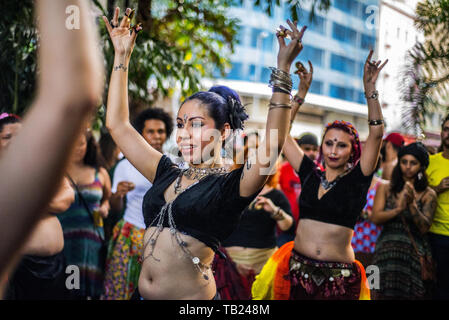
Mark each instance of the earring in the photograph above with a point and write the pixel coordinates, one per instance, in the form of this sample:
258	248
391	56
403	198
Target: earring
420	175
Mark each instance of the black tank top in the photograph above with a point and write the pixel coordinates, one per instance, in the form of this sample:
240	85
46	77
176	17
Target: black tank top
208	211
341	205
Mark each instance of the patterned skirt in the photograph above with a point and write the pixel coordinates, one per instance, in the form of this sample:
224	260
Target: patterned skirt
123	263
399	266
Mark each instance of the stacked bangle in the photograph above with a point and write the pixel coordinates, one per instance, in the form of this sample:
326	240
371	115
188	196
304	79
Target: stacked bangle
280	81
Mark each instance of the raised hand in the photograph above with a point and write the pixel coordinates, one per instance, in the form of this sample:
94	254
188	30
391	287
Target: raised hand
288	53
123	35
371	70
305	78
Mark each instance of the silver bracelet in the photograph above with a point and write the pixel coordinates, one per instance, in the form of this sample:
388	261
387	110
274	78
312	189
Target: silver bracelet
376	122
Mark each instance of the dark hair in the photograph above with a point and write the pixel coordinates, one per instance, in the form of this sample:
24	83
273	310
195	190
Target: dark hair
223	105
154	113
418	151
11	118
107	147
92	157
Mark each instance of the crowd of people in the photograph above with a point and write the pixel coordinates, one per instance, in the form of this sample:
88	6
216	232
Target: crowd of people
290	219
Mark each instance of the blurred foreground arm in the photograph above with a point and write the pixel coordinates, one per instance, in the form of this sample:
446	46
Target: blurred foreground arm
69	87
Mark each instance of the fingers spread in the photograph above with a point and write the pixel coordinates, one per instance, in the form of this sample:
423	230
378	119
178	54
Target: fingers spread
383	65
310	66
126	20
369	56
108	25
301	33
115	18
292	26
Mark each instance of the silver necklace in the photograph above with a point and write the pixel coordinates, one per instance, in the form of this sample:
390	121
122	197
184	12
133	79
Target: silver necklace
196	174
329	185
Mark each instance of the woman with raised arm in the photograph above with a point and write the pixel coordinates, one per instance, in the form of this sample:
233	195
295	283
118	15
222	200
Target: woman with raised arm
189	212
320	263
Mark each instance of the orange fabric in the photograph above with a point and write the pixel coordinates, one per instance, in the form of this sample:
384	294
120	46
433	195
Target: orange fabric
364	289
281	285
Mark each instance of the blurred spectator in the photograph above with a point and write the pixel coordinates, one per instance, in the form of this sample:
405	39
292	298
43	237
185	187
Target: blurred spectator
389	152
438	173
82	223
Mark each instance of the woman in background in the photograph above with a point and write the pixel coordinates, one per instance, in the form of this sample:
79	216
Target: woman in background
82	223
404	207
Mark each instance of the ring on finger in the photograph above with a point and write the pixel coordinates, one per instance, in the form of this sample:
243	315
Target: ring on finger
113	25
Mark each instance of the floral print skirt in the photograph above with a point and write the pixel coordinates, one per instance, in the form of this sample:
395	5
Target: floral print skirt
123	263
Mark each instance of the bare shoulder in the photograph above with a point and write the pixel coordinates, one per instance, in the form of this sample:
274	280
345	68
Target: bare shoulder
103	174
384	187
430	195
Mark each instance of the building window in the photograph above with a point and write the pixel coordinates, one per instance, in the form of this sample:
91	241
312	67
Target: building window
252	73
348	6
361	97
267	42
265	39
341	93
317	25
313	54
236	71
265	75
343	64
368	42
316	87
344	34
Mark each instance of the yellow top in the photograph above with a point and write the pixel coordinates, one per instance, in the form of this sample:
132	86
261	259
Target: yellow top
438	170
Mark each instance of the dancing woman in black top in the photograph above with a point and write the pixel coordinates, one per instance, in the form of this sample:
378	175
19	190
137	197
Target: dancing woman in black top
321	262
188	212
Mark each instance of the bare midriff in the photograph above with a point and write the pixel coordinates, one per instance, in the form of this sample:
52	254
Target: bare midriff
47	238
324	241
174	276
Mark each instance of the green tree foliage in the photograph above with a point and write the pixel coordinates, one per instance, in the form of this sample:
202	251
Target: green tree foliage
17	55
182	41
427	70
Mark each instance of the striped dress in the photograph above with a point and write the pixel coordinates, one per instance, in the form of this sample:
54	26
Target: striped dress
82	243
399	266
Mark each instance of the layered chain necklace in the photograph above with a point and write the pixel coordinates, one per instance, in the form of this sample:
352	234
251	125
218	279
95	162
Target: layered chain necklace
196	174
166	210
329	185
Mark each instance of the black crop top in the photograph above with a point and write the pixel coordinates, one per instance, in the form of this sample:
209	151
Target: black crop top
208	211
341	205
256	228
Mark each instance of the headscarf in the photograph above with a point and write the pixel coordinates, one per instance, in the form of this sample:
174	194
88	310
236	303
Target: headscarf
418	150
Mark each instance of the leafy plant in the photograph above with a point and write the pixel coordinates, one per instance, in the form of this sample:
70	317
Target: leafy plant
426	72
182	41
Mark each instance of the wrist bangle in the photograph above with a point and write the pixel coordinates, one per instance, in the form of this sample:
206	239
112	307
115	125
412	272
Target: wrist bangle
298	99
375	122
273	105
373	95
